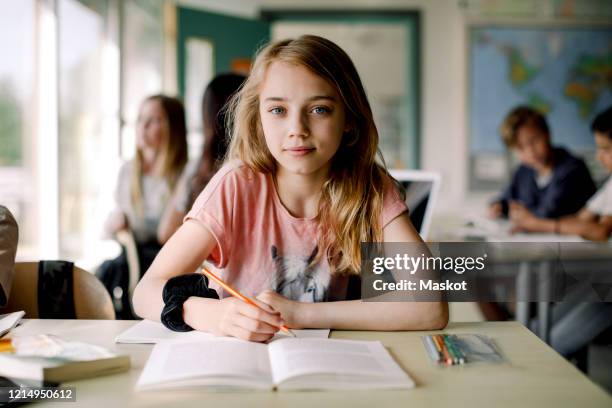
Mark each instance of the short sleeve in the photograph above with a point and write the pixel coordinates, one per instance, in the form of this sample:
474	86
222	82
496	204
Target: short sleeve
213	209
601	202
122	190
393	204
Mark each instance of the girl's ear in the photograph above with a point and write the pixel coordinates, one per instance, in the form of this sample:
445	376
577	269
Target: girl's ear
350	134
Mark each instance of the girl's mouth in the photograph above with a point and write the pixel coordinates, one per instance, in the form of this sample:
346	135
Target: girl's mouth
300	151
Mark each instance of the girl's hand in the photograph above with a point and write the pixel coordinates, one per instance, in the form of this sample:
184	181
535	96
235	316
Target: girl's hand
232	317
522	219
288	308
495	211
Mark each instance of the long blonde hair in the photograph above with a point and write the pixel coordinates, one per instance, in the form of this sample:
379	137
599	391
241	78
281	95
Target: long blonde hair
352	198
174	149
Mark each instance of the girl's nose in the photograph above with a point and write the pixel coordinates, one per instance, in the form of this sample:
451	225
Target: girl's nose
298	125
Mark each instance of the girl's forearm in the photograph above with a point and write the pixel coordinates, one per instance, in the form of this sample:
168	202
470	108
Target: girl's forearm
147	298
359	315
591	230
200	313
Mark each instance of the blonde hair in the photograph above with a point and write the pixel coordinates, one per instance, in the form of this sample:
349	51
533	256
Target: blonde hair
174	149
353	195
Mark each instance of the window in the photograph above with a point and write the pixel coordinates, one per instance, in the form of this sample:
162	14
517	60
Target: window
17	162
61	105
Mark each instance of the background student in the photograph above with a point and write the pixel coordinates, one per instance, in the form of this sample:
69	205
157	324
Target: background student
285	217
197	175
550	182
594	221
144	187
9	236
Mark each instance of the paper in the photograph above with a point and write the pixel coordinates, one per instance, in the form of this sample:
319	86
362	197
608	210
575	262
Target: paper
51	346
8	321
177	362
322	356
149	332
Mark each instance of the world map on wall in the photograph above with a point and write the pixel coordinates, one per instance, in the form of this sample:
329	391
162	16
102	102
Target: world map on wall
565	73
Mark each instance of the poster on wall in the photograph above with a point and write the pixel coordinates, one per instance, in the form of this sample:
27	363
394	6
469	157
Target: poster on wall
564	72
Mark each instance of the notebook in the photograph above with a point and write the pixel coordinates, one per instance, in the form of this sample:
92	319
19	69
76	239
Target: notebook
149	332
47	358
10	321
286	364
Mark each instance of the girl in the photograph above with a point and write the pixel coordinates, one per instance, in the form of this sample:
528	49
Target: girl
299	193
144	186
214	109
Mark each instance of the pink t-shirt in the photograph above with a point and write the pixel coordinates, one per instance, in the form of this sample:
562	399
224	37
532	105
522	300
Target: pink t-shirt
260	245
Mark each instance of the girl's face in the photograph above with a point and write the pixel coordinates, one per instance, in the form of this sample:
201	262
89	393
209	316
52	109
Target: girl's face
302	117
152	128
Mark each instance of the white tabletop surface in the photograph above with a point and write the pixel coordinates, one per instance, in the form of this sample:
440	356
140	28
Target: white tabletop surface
535	375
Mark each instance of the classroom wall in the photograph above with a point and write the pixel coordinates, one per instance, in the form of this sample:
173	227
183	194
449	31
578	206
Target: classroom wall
444	139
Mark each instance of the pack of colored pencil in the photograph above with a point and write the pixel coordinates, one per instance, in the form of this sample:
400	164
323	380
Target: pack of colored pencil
444	349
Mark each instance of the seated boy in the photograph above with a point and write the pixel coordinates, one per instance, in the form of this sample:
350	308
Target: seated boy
550	182
594	221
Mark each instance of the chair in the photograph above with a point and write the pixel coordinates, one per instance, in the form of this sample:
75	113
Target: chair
126	239
91	300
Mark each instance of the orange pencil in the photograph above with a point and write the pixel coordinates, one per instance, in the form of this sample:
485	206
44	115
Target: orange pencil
446	355
239	295
6	346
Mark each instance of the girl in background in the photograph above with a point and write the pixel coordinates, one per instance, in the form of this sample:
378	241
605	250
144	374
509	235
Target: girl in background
196	176
285	217
144	188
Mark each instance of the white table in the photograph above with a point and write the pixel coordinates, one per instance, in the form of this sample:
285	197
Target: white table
532	261
535	375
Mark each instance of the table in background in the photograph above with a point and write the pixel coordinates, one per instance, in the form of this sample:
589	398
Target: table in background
531	261
535	375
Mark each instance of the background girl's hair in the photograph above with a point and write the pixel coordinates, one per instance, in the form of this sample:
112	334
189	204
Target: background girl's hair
214	116
353	195
174	148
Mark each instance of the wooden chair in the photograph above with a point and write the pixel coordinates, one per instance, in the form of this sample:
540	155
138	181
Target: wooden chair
126	238
91	300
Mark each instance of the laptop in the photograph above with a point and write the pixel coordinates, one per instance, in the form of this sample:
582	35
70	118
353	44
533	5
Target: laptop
422	189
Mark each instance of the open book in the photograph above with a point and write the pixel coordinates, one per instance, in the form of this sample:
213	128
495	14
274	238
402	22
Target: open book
285	364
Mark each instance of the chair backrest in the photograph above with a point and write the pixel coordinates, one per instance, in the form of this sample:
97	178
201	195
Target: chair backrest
126	238
91	300
421	194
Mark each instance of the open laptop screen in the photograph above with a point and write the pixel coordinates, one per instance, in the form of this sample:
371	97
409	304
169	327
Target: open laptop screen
421	191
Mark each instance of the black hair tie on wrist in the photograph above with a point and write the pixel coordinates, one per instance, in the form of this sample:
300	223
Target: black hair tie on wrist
176	291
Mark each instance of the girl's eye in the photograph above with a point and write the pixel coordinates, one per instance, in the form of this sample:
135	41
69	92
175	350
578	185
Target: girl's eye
276	111
320	110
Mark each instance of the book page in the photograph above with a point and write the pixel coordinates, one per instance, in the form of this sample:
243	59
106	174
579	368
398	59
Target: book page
221	357
298	357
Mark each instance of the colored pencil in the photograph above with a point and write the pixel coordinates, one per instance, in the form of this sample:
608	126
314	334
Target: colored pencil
452	349
6	346
462	358
431	349
239	295
443	349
